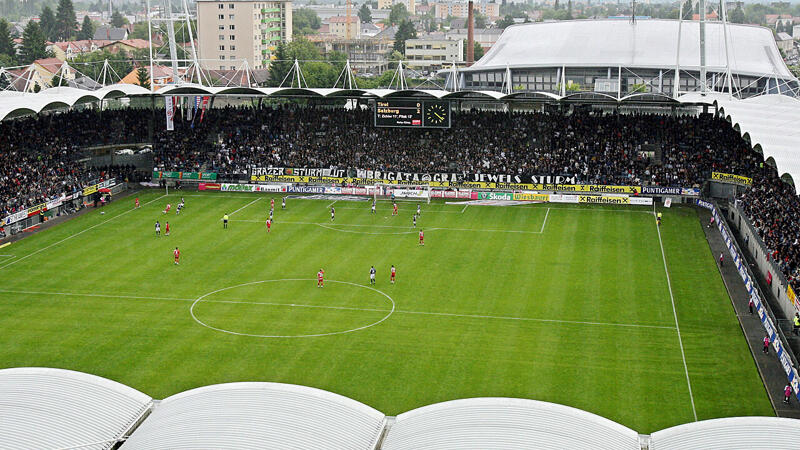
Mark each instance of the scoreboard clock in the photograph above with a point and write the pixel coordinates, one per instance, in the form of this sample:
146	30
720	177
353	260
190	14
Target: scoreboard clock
412	113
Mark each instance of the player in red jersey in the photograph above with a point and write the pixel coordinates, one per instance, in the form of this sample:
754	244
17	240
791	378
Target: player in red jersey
272	204
177	254
393	273
137	202
269	224
166	229
394	206
166	210
320	278
421	238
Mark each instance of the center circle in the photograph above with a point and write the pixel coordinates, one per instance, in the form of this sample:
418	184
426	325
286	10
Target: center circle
313	302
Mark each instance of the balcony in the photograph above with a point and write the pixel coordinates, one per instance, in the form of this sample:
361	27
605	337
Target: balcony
270	10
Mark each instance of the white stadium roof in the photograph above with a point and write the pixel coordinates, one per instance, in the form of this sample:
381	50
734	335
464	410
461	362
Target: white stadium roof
769	122
733	433
43	408
258	415
648	43
506	424
48	409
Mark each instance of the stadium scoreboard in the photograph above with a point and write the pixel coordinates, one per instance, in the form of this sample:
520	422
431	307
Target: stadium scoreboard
412	114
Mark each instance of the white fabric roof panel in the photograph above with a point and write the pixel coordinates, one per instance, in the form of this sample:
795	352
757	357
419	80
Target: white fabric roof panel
506	424
42	408
770	121
258	415
734	433
650	43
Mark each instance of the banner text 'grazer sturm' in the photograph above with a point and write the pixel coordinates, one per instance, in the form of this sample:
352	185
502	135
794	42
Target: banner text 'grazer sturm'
766	321
372	177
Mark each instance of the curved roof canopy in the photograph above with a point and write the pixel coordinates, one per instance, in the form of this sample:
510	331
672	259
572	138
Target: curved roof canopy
770	122
506	423
745	433
648	43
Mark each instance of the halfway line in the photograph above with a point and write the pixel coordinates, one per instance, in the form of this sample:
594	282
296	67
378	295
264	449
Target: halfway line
348	308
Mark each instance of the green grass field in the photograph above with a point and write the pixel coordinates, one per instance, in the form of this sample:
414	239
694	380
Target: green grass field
562	304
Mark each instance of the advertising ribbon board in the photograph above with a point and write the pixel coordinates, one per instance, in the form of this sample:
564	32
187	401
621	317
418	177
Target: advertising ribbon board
603	200
531	197
731	178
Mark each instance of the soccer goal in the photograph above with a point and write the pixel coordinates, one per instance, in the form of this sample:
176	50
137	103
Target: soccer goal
403	192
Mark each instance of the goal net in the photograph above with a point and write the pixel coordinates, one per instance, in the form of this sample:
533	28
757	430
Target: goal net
403	192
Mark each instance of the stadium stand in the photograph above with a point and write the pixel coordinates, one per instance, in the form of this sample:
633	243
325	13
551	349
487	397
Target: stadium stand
745	433
505	423
258	415
43	408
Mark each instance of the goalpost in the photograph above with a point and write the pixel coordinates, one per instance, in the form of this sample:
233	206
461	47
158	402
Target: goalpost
407	192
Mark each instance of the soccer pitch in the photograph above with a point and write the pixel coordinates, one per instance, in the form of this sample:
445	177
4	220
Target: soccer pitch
557	303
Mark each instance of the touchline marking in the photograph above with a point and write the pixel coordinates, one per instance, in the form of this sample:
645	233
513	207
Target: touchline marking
78	233
348	308
675	314
245	206
464	208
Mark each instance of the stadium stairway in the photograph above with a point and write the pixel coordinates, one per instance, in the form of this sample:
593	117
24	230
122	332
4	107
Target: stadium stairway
769	367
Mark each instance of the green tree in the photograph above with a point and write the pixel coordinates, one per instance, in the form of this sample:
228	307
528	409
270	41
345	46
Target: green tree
480	21
305	21
6	42
364	14
58	80
4	81
140	31
280	66
47	22
394	57
143	77
34	43
505	22
65	20
398	14
87	29
118	20
91	64
405	31
477	50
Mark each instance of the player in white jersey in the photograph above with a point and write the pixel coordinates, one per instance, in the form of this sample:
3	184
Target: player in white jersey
283	203
333	213
373	207
158	229
415	221
372	275
418	210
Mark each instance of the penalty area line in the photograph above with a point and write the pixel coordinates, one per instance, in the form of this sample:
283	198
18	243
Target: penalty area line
346	308
245	206
78	233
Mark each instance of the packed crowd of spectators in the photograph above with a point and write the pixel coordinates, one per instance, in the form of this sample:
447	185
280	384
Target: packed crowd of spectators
41	156
596	148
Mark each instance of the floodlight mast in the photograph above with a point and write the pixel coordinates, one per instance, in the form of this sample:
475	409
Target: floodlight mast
180	66
703	87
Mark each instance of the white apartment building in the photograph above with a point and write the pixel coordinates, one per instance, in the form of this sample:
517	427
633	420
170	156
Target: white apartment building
433	53
233	31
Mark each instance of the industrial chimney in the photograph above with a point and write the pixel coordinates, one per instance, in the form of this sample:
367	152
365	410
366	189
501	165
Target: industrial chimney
470	35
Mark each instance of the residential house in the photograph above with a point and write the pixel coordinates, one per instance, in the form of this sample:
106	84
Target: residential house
66	51
159	76
784	41
432	52
126	45
110	34
366	55
346	27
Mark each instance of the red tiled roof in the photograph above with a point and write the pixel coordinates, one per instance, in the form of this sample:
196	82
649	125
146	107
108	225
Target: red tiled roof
50	64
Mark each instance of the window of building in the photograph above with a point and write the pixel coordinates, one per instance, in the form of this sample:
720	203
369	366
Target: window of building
221	67
220	6
230	6
222	27
233	48
221	16
221	37
222	57
230	16
222	47
232	27
232	37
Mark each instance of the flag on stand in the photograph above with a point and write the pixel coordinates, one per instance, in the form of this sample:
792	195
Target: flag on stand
205	106
170	110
